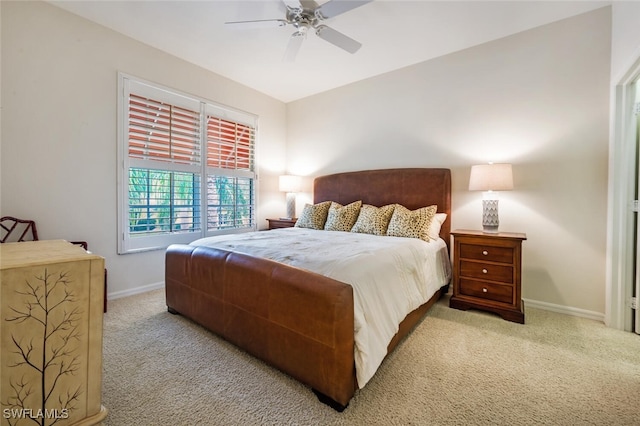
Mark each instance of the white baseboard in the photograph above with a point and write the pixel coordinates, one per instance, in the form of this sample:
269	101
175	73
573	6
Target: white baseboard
133	291
567	310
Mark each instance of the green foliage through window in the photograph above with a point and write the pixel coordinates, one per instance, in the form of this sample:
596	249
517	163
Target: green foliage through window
163	201
229	202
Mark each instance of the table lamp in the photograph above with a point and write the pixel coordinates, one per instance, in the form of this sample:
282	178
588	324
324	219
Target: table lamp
490	178
290	184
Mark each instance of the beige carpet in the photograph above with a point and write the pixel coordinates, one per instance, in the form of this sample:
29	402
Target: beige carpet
456	367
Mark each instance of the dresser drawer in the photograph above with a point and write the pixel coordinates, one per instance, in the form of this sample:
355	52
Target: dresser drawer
486	252
486	271
484	290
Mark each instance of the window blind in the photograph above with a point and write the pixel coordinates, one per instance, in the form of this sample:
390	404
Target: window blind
162	132
229	144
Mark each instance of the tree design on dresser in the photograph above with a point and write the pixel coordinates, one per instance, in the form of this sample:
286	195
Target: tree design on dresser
49	352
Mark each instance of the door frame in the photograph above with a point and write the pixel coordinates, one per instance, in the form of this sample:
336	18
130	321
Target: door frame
622	183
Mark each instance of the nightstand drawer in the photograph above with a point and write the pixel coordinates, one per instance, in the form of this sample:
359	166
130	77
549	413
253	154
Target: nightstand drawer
486	252
281	223
486	271
484	290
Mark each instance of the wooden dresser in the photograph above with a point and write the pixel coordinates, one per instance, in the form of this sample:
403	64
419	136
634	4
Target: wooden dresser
51	308
487	273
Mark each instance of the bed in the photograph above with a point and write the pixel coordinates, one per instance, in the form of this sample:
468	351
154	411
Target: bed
297	320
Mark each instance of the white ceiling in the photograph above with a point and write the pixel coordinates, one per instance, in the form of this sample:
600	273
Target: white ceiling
394	34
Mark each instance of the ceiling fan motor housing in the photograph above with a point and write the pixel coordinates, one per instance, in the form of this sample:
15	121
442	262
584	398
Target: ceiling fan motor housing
303	18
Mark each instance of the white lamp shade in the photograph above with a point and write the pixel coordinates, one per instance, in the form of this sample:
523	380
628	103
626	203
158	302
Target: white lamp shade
491	177
289	183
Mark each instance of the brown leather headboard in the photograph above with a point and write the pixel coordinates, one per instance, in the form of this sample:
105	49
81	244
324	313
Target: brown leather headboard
413	188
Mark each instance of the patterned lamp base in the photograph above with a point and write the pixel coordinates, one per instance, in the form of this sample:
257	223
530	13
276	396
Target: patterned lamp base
291	205
490	220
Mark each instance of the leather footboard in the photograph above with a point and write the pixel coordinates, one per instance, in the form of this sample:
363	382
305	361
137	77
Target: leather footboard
295	320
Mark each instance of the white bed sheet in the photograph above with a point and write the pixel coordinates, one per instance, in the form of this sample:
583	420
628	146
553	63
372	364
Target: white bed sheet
390	276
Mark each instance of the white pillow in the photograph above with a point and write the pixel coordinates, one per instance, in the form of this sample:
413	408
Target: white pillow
436	224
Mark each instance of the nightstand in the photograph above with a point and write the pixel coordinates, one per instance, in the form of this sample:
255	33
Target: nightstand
281	223
487	273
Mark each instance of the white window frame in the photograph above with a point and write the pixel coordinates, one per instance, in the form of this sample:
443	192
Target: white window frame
128	84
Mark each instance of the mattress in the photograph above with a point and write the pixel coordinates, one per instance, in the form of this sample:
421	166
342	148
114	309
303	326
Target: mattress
390	276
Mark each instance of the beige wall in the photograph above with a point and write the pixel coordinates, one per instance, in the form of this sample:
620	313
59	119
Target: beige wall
538	99
59	77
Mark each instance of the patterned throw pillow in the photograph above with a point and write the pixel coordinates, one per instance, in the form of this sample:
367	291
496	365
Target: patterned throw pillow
411	224
314	216
373	220
342	218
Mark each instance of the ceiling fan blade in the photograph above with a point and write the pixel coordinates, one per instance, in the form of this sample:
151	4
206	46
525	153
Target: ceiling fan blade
309	4
293	47
260	23
337	38
292	4
336	7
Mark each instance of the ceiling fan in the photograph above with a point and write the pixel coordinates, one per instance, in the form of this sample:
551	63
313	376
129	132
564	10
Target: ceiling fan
307	14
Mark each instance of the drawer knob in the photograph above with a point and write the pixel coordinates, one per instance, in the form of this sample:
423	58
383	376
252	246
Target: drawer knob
484	252
484	289
484	271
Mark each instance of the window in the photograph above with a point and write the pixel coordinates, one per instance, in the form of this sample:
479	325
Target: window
188	168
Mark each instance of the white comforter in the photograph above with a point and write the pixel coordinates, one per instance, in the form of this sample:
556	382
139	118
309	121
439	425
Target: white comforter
390	276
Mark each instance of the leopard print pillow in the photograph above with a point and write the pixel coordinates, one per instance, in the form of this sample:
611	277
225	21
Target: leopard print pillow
411	224
373	220
314	216
342	218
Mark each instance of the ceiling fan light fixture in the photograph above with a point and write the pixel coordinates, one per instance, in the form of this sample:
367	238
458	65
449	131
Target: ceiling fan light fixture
301	30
